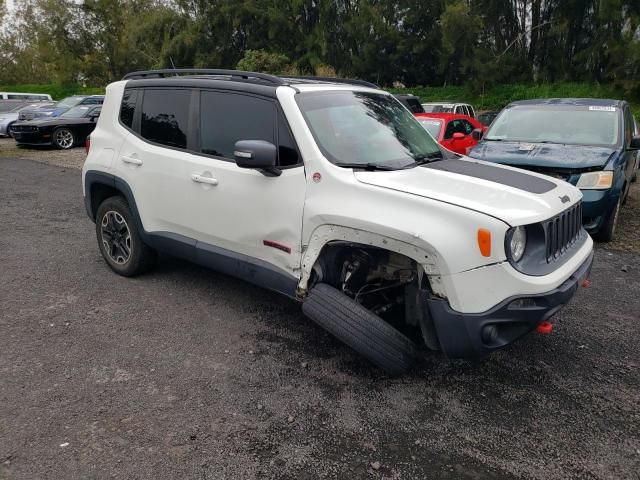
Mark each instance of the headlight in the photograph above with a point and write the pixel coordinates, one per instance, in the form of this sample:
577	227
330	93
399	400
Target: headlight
595	180
517	242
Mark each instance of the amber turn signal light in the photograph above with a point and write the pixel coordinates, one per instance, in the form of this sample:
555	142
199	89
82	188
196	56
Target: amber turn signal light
484	242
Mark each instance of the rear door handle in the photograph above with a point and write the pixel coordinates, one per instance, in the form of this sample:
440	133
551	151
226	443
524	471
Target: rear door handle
200	179
131	160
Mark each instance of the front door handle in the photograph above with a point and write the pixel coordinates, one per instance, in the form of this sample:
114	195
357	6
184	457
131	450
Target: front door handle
131	160
200	179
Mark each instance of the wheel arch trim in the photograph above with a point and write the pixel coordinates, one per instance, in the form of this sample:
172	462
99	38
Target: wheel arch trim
95	177
327	234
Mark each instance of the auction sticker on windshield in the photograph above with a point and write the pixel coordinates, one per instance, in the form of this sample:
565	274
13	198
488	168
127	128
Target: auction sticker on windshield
599	108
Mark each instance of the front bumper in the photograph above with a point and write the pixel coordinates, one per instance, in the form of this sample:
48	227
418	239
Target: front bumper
32	138
596	207
469	335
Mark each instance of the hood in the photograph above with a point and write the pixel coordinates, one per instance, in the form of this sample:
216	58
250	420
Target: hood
550	155
8	116
514	196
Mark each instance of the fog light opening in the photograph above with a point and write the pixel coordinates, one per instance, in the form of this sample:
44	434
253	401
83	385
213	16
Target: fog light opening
489	334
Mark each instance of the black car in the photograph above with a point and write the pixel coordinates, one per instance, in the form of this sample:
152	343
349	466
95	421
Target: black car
69	129
411	102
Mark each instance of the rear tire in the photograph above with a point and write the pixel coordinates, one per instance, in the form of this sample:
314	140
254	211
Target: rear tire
364	332
608	229
9	134
119	240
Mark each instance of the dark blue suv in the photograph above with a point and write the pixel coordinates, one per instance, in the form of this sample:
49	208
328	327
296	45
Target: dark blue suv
591	143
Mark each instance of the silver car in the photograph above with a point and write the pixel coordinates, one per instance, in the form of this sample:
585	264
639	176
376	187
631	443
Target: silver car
8	118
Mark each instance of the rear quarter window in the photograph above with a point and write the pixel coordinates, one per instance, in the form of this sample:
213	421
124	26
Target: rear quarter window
128	107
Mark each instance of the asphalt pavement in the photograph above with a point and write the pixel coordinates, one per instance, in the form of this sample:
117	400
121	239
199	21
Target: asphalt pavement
187	373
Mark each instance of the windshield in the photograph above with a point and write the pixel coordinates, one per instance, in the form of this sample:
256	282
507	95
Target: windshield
69	102
570	124
431	125
365	128
76	112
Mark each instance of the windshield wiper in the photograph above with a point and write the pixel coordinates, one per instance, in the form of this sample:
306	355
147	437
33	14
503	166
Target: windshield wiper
423	159
370	167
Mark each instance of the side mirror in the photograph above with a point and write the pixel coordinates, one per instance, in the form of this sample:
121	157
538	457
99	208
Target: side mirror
477	134
635	143
257	154
458	136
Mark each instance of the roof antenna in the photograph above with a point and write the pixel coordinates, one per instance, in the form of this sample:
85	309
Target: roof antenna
172	64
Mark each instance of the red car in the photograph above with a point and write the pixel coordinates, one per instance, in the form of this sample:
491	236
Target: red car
458	133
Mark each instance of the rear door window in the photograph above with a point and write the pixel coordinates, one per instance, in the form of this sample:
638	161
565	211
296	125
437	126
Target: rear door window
165	116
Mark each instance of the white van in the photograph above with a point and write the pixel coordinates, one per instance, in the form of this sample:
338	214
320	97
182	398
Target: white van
11	100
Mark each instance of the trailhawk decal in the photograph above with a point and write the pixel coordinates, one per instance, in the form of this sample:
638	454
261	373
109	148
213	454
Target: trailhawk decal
503	176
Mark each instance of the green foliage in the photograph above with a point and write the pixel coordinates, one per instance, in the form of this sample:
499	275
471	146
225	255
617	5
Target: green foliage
479	44
266	62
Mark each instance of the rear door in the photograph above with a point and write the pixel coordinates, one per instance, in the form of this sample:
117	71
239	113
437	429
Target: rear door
154	159
242	210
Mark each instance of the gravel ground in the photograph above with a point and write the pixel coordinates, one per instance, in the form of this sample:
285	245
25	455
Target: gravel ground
186	373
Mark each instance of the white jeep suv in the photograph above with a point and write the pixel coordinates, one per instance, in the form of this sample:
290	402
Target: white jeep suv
330	192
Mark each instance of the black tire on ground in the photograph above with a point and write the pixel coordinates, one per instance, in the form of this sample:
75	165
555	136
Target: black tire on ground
9	129
366	333
608	229
119	240
63	138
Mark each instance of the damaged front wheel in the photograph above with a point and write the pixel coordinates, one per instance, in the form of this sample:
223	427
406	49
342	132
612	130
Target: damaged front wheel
366	333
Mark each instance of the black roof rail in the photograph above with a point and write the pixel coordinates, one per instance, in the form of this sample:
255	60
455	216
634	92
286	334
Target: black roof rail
233	74
350	81
241	76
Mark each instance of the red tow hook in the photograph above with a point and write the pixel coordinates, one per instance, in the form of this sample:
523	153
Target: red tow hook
544	328
586	282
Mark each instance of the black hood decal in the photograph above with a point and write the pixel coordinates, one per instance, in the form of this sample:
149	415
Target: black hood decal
511	178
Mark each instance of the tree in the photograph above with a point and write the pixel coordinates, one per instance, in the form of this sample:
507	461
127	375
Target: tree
266	62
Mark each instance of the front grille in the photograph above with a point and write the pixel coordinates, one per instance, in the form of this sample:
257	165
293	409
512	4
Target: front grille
23	128
562	231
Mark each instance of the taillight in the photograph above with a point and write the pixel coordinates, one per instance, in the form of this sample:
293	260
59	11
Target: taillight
87	144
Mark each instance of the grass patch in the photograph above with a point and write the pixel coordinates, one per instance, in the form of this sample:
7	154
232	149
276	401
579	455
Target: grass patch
497	97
